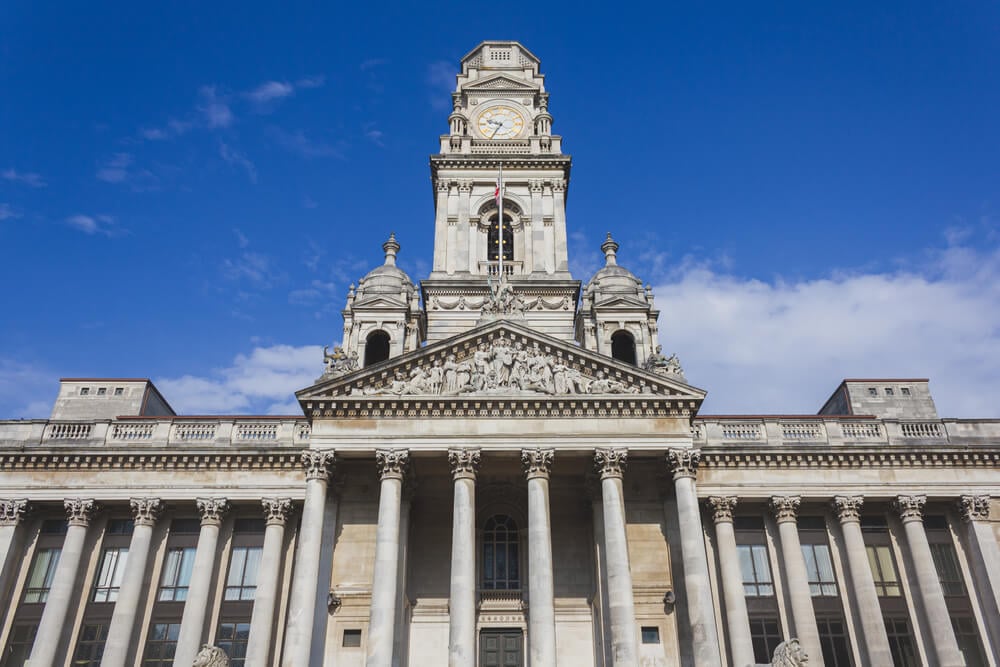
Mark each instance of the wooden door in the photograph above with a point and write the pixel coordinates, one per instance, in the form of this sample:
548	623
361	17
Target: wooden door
501	648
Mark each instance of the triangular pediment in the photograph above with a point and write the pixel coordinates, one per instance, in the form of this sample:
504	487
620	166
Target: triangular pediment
499	82
486	370
622	302
380	301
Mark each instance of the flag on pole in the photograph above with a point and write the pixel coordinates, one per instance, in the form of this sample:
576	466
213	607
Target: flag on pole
498	196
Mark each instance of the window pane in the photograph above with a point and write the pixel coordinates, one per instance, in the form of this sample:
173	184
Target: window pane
236	564
812	571
761	566
252	565
171	567
746	563
824	563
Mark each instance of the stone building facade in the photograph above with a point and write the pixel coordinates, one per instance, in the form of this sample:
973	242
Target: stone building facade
499	466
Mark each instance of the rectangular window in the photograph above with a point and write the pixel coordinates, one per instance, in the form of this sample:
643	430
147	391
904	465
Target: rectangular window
948	571
42	572
905	391
101	391
765	633
90	646
833	641
84	391
968	640
872	391
352	639
819	569
119	391
883	571
241	584
176	574
901	642
650	635
756	570
232	638
889	391
109	577
22	636
120	527
161	644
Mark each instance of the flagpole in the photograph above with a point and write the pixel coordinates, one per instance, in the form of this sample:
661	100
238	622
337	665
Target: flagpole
500	219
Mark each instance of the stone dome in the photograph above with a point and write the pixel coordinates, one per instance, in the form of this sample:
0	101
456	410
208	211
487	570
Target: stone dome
613	279
386	278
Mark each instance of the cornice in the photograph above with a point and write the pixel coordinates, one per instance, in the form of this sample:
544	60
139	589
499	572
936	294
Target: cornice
716	458
495	407
561	161
137	460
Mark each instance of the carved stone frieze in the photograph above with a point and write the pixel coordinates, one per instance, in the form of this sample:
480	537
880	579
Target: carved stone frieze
537	462
610	462
502	302
663	365
12	511
464	463
785	508
276	510
339	362
974	508
683	462
145	511
79	511
848	508
910	508
212	510
318	464
392	463
722	508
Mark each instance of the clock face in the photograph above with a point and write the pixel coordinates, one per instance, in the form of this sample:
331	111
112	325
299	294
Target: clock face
500	122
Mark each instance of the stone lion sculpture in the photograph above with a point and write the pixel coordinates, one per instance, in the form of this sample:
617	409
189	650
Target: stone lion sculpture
789	654
211	656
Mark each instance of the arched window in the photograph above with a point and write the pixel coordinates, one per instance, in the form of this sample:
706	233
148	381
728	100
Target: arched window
493	239
501	565
376	347
623	347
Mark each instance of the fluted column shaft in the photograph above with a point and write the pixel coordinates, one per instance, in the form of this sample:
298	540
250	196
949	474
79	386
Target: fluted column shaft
305	584
381	625
276	513
785	510
737	618
985	557
12	512
50	628
145	512
541	589
911	512
192	631
697	584
610	464
462	600
870	612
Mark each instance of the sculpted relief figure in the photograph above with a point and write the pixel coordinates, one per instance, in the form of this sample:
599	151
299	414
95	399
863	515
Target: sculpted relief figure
663	365
501	367
503	301
338	362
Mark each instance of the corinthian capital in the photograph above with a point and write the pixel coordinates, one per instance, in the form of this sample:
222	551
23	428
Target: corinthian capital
683	462
392	463
610	462
146	511
79	511
12	511
318	463
559	185
910	508
443	185
722	508
974	508
212	510
464	463
537	462
276	510
785	508
848	507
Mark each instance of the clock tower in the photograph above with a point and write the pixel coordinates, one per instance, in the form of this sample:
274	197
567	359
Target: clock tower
500	118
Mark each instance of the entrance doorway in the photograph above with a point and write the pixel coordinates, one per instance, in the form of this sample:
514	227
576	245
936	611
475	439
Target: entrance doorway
501	648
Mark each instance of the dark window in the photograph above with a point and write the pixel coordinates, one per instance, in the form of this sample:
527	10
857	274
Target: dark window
176	574
185	526
765	633
22	636
968	640
161	644
120	527
232	638
119	391
241	584
883	570
42	572
109	577
494	241
901	642
650	635
101	391
948	571
833	641
84	391
872	391
889	391
756	570
376	347
352	638
248	526
501	565
819	569
905	391
90	646
623	347
54	527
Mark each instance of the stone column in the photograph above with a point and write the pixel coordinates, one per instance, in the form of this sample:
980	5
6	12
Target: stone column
985	557
145	512
12	512
697	584
79	512
534	240
441	225
392	464
559	224
737	618
459	253
400	639
462	600
305	571
265	603
192	631
610	464
945	646
876	643
804	626
541	590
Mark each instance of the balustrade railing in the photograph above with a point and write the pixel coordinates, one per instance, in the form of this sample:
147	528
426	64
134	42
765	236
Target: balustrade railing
195	431
256	432
741	431
861	430
70	430
511	267
131	431
921	429
802	431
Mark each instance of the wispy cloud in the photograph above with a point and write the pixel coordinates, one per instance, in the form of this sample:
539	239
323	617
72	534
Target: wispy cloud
215	108
269	91
441	79
95	224
7	213
119	168
311	81
27	391
173	128
234	157
28	178
317	292
298	142
374	135
115	170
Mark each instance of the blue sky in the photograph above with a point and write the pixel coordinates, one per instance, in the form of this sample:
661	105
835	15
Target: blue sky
186	191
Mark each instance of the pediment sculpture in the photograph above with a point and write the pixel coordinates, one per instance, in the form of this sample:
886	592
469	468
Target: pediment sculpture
661	364
502	301
211	656
339	362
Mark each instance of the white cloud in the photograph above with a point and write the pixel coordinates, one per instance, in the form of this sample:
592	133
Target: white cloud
298	142
311	81
26	391
94	224
115	170
233	156
263	381
783	346
6	212
441	79
269	91
375	135
28	178
215	108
